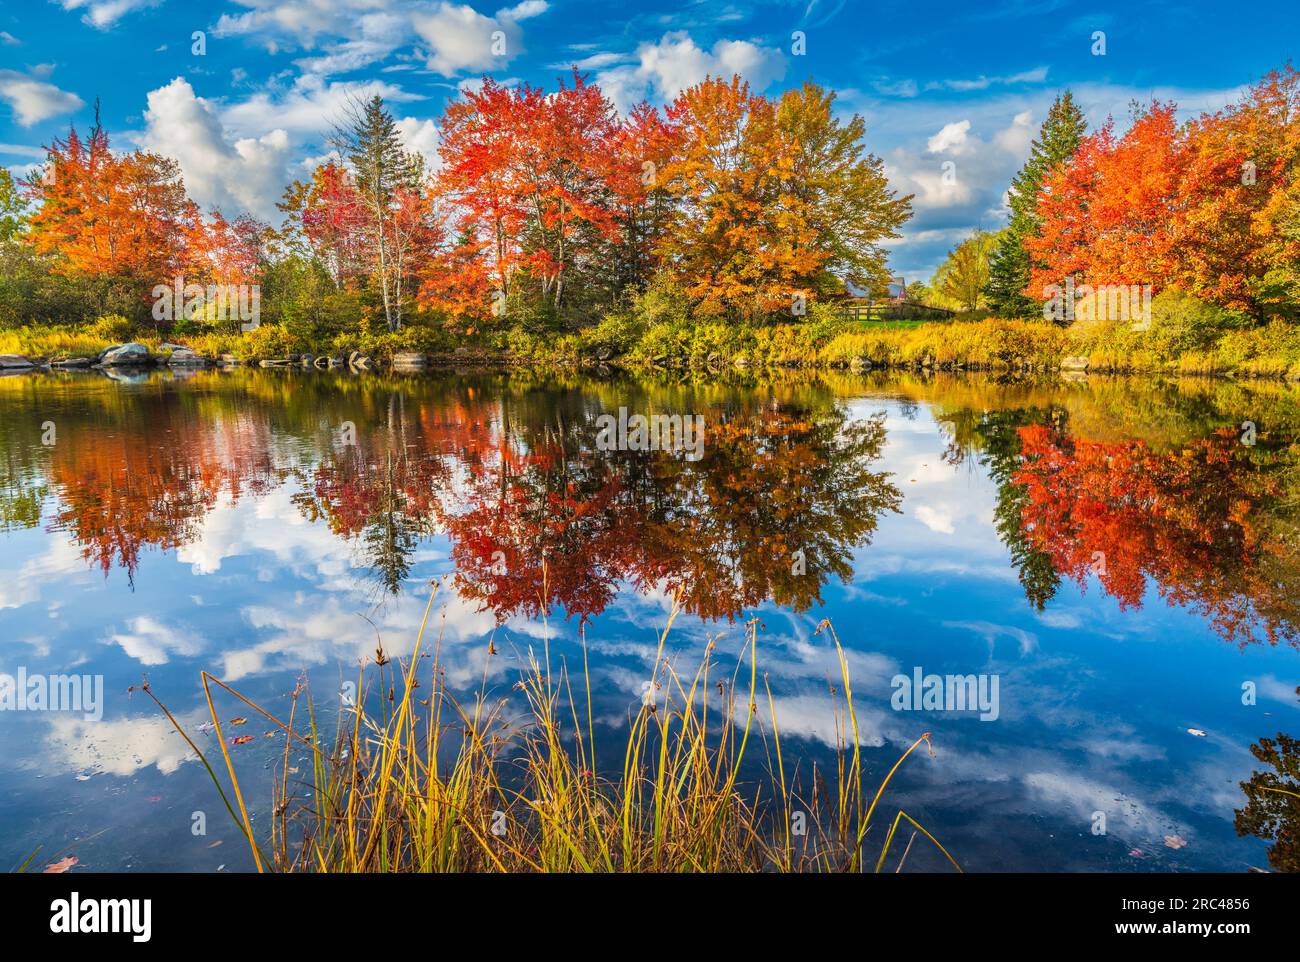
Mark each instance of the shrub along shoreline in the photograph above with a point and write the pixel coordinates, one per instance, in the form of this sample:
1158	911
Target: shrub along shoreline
1183	337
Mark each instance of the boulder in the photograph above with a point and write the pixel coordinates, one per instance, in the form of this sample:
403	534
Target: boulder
358	361
741	363
70	363
15	362
186	357
307	360
859	364
125	355
274	362
1074	364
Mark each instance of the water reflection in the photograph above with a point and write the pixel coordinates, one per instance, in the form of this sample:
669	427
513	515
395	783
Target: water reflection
257	524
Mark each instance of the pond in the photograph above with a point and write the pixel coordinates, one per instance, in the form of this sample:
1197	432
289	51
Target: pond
1113	564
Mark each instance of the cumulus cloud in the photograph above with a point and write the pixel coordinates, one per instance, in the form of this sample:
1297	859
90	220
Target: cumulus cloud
663	69
309	109
950	139
246	174
459	38
238	156
352	34
34	99
420	137
1016	138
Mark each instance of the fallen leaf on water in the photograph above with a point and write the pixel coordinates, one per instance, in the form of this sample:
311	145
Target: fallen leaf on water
270	734
239	721
215	844
241	740
1136	853
59	867
1196	731
1175	841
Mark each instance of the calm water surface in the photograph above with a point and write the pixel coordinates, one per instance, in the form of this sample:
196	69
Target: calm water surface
1111	551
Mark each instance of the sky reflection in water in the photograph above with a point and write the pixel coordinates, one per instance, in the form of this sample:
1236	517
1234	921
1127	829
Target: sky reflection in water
220	523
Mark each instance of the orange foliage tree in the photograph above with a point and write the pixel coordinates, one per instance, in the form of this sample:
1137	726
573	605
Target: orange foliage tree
1201	207
1190	520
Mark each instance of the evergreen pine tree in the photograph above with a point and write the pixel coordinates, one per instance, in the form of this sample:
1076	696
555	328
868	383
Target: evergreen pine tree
381	166
1009	264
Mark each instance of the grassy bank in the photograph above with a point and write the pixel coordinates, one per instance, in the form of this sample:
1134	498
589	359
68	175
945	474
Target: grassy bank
1182	337
433	784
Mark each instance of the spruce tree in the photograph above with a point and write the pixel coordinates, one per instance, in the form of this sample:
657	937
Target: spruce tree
1009	264
381	166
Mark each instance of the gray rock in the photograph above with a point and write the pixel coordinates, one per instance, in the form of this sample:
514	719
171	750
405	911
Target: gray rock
70	363
186	357
860	364
125	355
1074	364
15	362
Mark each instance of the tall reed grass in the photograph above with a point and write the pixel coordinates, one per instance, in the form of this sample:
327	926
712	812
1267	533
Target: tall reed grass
430	783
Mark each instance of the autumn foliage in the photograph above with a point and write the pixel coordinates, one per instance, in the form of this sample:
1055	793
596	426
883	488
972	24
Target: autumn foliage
1203	206
541	203
1192	522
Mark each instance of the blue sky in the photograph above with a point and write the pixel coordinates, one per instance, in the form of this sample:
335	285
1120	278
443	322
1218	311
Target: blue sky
936	81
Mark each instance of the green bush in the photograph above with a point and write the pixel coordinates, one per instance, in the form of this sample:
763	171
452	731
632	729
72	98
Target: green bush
113	327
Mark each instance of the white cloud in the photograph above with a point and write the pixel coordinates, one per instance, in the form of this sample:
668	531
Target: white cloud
152	643
938	520
664	69
525	10
951	139
1037	75
119	747
310	108
34	100
421	137
1016	138
460	38
352	34
102	14
246	174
